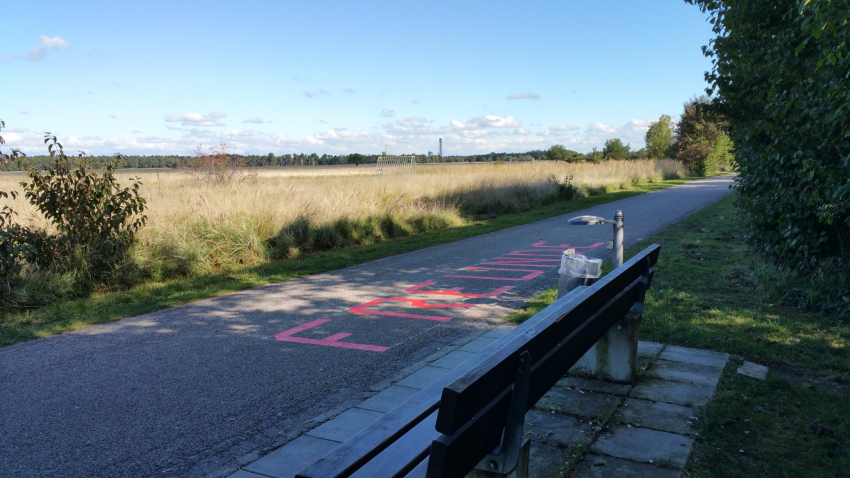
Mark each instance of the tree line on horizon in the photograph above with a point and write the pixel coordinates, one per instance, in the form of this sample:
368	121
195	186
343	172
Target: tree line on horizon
272	160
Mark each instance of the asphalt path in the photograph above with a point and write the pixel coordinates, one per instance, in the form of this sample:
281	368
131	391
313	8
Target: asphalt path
189	390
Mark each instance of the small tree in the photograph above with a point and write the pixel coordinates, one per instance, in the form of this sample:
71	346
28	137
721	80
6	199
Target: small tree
701	144
659	137
356	159
615	149
217	166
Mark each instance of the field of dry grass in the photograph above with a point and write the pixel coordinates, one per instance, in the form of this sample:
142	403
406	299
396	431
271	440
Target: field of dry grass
196	227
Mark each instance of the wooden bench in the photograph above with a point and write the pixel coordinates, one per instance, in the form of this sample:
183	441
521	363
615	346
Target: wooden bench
473	417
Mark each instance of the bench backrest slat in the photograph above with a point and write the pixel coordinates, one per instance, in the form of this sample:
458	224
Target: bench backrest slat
481	434
467	395
456	390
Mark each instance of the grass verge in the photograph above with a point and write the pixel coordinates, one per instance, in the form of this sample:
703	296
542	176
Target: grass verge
21	326
705	295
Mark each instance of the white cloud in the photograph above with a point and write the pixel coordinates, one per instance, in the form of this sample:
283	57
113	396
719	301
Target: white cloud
488	121
558	130
524	96
40	52
197	119
406	134
2	58
385	113
348	91
255	120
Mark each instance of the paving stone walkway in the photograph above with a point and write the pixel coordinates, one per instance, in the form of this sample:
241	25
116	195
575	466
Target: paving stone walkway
604	429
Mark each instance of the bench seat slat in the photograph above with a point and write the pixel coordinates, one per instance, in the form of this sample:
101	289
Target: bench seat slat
403	455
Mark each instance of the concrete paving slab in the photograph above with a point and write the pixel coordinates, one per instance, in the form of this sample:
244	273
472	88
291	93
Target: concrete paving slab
345	425
422	377
656	415
293	457
556	429
499	332
594	385
245	474
685	372
578	403
600	466
388	399
649	349
642	445
453	359
694	356
753	370
678	393
546	460
478	344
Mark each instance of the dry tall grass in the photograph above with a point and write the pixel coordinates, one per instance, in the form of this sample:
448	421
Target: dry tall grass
195	227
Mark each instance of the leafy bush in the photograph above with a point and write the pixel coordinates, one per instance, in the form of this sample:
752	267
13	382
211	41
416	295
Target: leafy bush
567	190
94	217
94	222
13	245
780	68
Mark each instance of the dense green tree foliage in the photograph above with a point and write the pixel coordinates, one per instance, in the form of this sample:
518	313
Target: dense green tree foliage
356	159
780	69
560	153
701	141
615	149
659	137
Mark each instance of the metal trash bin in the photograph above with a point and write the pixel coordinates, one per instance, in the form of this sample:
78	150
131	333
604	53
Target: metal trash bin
577	270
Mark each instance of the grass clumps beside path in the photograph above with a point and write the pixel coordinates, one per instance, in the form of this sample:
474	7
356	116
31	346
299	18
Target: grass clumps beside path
104	306
706	294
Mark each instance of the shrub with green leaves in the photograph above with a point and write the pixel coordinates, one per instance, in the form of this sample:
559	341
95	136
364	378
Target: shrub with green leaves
95	219
780	68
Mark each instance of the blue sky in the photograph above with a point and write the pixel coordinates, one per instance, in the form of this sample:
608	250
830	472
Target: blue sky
341	77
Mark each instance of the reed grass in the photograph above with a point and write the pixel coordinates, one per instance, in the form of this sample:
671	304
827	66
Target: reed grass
197	228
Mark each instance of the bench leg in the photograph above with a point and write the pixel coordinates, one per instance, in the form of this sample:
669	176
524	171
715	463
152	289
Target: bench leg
614	357
521	470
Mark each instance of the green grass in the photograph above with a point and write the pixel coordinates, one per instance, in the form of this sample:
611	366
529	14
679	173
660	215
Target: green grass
20	326
705	296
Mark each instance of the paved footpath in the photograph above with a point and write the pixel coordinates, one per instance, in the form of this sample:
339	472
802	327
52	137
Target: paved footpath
202	389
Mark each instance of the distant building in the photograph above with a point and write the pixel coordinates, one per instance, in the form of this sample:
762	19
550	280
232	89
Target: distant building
430	154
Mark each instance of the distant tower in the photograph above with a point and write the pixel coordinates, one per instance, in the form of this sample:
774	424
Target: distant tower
441	148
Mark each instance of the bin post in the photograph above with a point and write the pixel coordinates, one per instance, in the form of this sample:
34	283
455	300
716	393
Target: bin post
614	357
